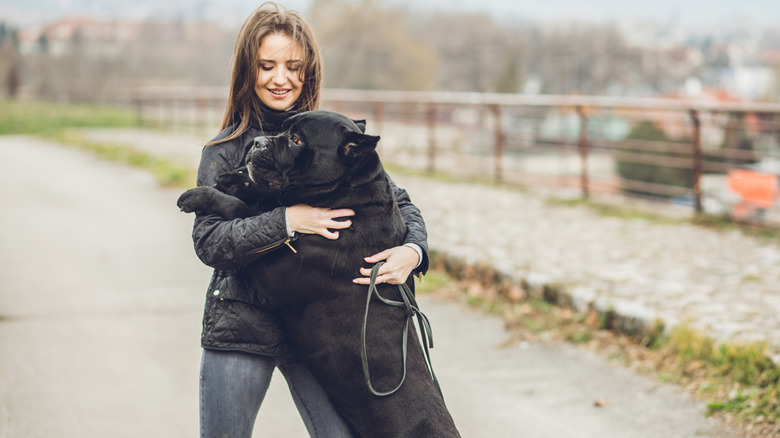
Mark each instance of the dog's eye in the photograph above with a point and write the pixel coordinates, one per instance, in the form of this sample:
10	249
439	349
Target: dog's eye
295	139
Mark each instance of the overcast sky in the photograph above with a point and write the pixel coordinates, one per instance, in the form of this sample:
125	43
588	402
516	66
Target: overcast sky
684	11
688	12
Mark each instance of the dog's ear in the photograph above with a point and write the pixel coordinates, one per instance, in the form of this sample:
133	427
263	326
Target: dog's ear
361	124
357	146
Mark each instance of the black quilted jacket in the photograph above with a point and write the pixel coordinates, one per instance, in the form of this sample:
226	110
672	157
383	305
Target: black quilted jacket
232	319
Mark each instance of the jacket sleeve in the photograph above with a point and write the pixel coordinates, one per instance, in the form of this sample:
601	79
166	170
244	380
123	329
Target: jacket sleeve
231	244
415	225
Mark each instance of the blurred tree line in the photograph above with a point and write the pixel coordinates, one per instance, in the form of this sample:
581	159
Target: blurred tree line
89	67
365	44
370	45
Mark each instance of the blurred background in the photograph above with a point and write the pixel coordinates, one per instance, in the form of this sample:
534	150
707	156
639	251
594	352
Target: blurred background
77	50
665	101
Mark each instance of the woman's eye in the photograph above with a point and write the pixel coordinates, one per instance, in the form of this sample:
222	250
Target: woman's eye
266	67
294	66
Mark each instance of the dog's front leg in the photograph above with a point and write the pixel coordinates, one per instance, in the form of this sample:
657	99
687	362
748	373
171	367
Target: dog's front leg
208	200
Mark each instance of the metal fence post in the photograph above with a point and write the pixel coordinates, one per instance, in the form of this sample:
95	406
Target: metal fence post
583	149
697	161
379	111
498	145
139	110
431	119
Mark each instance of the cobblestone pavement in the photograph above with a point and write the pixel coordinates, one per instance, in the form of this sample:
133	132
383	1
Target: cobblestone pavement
726	284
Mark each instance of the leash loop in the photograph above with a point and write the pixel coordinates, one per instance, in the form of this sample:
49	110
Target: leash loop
411	310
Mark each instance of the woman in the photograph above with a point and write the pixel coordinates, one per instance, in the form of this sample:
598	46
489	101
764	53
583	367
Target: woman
276	73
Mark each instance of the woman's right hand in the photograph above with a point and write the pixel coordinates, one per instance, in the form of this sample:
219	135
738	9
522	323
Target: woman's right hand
312	220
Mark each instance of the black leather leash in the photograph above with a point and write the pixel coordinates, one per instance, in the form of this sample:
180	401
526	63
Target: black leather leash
410	307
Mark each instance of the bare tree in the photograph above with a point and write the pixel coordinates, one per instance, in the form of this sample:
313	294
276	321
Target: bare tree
366	45
475	53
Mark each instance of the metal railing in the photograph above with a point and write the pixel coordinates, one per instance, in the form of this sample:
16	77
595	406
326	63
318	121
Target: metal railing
589	144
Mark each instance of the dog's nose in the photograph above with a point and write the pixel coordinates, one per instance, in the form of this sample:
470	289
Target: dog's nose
260	143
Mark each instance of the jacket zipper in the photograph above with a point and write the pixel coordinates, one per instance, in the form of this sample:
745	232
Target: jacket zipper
276	245
287	242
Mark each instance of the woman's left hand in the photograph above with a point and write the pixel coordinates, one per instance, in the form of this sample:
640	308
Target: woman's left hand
399	263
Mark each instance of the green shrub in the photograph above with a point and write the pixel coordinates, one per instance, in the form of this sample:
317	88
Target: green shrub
630	165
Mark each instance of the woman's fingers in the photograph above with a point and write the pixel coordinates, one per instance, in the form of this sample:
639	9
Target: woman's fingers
311	220
400	261
342	212
329	222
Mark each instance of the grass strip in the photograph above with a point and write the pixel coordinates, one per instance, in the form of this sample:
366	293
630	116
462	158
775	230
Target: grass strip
49	118
167	172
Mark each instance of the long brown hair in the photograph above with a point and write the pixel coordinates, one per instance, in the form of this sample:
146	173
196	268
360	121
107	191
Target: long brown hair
243	103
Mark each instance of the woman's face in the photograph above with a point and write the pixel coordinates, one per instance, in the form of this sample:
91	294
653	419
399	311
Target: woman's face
280	76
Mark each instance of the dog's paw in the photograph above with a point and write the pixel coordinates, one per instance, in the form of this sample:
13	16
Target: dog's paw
208	200
194	200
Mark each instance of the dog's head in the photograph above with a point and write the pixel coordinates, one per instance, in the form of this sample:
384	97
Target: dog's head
318	152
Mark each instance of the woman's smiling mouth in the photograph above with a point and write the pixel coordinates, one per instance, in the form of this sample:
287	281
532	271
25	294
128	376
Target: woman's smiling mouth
279	93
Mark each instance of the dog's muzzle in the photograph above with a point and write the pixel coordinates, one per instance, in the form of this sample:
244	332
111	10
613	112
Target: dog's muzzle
259	163
260	146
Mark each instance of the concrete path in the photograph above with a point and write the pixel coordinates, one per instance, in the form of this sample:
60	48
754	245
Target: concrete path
100	306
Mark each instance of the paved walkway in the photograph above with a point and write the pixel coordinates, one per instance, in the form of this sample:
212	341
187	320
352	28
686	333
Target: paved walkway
723	283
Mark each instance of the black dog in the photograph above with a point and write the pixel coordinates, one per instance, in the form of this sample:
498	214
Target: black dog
325	160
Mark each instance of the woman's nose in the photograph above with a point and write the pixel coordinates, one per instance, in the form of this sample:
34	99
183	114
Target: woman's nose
280	76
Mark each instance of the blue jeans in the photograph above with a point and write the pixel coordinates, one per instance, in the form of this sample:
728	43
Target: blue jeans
233	385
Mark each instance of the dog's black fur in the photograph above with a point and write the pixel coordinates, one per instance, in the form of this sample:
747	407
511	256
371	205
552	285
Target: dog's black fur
325	160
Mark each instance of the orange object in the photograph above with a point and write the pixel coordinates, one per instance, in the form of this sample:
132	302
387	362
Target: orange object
757	189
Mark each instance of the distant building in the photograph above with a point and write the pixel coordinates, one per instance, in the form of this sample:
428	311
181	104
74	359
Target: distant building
68	35
95	37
